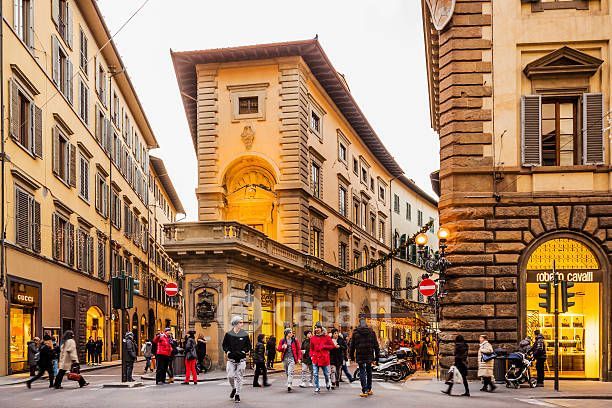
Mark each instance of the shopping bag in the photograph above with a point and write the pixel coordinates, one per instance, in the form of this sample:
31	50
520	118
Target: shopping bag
457	378
450	376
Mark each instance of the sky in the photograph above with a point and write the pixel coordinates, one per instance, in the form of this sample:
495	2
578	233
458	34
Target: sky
378	46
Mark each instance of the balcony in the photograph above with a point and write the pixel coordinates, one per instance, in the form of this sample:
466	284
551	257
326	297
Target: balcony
215	238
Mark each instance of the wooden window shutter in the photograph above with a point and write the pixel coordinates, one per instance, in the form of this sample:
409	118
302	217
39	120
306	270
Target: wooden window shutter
56	236
56	153
55	11
109	137
531	114
592	128
14	110
69	31
70	244
90	254
22	218
38	148
69	81
80	250
72	170
35	226
56	61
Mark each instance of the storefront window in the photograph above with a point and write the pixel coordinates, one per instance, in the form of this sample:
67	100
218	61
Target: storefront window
95	325
580	327
22	320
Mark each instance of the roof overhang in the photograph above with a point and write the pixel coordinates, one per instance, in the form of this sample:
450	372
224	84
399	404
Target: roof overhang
317	61
162	174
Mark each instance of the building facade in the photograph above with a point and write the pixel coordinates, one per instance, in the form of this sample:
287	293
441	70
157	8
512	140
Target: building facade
520	97
294	189
78	185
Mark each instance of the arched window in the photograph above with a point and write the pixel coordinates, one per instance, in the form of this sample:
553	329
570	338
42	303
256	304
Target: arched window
408	286
397	282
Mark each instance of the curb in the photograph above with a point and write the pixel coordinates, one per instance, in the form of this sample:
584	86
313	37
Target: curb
207	379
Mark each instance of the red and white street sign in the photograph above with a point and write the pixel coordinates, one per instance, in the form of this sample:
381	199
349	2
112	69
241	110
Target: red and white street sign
171	289
427	287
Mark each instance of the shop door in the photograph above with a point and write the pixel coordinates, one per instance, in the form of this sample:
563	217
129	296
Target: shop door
580	327
22	321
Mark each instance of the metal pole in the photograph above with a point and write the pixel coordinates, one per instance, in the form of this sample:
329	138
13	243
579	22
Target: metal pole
556	285
3	279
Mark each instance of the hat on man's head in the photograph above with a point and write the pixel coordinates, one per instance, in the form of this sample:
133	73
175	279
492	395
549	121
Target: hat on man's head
319	325
235	320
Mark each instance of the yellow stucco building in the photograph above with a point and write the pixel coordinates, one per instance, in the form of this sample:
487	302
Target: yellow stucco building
82	199
292	181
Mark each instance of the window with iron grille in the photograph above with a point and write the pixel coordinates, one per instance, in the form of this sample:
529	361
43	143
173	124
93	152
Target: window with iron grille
63	239
248	105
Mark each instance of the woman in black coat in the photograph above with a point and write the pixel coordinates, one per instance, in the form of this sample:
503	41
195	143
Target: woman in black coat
271	351
201	353
461	356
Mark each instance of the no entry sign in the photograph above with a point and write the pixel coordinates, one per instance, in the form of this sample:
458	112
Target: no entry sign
171	289
427	287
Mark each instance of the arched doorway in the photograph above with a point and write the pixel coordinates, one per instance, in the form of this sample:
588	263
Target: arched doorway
135	331
250	193
94	325
582	327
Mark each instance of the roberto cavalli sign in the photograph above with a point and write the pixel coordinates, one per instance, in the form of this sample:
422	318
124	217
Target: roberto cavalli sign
576	276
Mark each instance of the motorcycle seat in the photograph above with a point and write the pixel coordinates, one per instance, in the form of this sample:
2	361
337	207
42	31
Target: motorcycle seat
383	360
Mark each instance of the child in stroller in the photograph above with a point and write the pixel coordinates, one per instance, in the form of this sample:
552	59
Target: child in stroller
519	371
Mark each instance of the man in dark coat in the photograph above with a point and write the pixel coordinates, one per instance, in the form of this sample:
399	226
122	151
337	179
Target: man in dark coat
46	354
539	353
98	359
364	350
306	361
32	350
130	355
90	346
259	358
236	345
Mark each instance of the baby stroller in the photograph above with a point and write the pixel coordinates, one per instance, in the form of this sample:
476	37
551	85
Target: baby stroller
519	371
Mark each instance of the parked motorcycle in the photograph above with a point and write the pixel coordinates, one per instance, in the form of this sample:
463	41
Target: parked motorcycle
389	368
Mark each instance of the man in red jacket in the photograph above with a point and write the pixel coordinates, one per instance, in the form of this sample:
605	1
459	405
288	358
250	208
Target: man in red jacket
320	345
163	354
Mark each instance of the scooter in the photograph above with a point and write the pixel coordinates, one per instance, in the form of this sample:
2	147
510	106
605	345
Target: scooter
388	368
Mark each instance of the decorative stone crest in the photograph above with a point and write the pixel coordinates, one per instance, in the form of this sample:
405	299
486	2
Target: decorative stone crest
441	12
248	136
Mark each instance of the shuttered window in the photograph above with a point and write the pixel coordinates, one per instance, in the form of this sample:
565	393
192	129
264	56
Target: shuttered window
62	69
25	120
101	195
84	101
83	177
115	209
27	220
593	141
101	244
64	158
83	53
61	13
63	239
84	251
552	135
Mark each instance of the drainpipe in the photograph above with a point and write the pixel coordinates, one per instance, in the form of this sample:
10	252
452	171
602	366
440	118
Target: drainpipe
3	280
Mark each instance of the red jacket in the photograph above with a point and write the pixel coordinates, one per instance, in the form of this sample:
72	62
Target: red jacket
295	347
164	347
319	349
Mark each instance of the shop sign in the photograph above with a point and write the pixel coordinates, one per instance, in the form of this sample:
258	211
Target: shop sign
267	300
22	294
576	276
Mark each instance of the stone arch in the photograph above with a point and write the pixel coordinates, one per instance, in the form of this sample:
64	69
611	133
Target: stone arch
249	194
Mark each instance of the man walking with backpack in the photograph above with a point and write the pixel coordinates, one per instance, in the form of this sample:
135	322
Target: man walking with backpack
236	345
539	353
364	350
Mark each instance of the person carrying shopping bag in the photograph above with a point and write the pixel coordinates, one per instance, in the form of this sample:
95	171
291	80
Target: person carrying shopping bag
68	360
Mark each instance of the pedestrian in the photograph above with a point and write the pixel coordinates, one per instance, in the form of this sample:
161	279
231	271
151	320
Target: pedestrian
306	360
90	346
427	353
336	357
56	353
99	344
259	358
45	362
289	348
201	352
365	351
236	345
173	353
271	351
191	357
539	353
147	352
344	341
485	368
32	355
461	356
68	359
320	346
130	355
162	355
525	345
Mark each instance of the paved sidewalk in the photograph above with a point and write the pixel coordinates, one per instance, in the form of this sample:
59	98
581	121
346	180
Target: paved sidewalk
569	389
21	378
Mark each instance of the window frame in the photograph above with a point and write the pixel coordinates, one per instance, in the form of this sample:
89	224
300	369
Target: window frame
83	52
23	22
576	102
258	90
316	183
342	200
84	180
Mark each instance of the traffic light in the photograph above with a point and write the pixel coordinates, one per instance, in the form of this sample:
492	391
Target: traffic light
547	296
565	296
118	292
131	289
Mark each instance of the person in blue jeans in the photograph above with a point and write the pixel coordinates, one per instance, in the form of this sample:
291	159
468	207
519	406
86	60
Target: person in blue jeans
320	346
364	350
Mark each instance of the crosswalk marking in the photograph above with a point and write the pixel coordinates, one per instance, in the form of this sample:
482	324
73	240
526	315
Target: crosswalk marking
536	402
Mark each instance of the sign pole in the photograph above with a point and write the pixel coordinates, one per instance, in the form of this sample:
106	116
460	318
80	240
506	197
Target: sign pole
556	285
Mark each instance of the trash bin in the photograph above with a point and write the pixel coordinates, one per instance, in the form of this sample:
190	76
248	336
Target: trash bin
178	364
500	366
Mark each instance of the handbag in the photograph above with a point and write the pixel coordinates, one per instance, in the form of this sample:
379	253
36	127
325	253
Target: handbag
488	357
75	372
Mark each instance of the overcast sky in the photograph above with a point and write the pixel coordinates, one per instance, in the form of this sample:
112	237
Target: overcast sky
377	45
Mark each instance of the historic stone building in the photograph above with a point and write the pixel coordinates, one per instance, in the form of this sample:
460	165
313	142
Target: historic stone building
520	97
293	185
82	198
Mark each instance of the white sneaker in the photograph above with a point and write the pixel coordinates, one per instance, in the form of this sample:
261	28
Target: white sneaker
303	385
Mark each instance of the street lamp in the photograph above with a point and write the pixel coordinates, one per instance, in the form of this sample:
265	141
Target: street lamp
421	240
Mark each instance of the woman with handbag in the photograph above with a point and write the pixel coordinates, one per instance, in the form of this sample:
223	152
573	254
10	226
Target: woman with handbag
486	357
191	357
68	362
461	356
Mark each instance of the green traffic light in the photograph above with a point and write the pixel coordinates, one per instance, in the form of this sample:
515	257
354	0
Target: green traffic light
547	296
565	296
